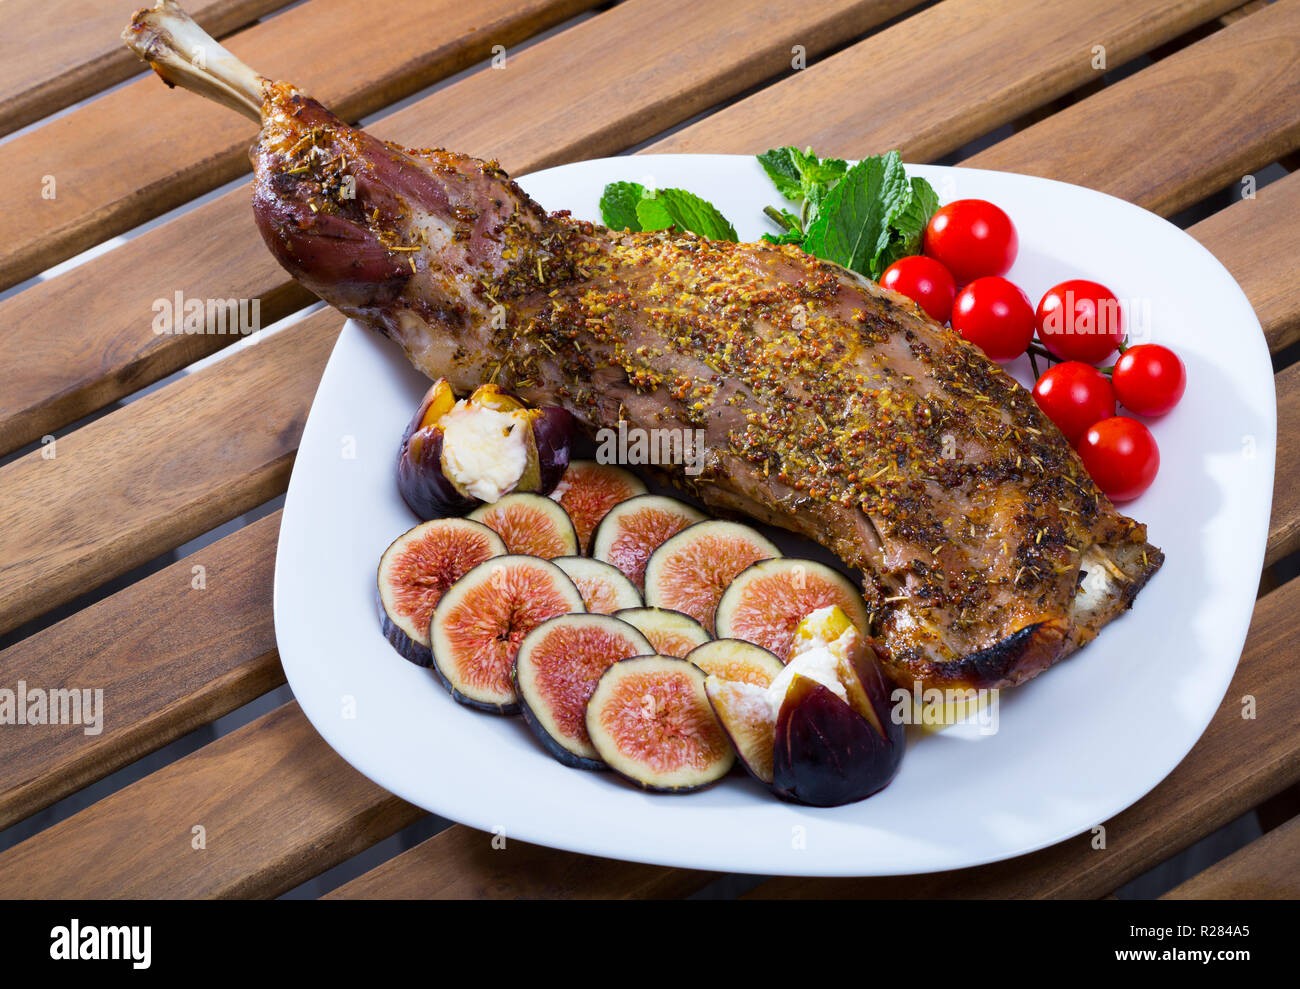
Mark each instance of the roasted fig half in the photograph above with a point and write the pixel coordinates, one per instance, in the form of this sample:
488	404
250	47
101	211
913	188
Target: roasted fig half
556	670
479	623
633	529
651	722
530	524
690	570
418	568
821	733
670	632
604	589
455	454
767	600
588	490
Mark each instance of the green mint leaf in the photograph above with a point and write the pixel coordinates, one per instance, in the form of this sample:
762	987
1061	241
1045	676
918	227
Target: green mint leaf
826	171
618	205
906	224
789	237
781	165
678	208
850	226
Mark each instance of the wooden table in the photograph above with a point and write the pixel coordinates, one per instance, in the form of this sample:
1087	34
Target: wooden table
1217	98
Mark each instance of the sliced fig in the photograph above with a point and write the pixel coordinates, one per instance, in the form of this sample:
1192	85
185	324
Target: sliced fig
824	752
650	720
604	589
556	670
767	600
588	490
690	570
416	571
420	479
530	524
821	732
479	623
746	715
633	529
455	454
735	659
670	632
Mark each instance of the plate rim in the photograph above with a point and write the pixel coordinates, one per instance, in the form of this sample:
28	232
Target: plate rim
592	845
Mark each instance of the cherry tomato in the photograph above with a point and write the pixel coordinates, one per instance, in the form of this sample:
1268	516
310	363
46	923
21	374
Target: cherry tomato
996	316
1121	455
1080	320
972	238
925	281
1074	395
1149	379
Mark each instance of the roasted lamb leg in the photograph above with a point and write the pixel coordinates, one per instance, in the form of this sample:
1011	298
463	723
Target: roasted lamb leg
831	407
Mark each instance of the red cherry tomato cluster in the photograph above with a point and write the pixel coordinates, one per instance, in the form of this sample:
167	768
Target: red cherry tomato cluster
969	245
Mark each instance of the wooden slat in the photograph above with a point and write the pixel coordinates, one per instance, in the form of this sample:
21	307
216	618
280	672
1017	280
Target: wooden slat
876	95
460	864
1284	526
142	149
1259	243
168	654
1266	869
276	804
157	472
1174	133
55	52
1235	765
1267	599
84	338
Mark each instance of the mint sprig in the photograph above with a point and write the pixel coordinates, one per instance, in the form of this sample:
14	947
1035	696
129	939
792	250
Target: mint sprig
631	206
864	218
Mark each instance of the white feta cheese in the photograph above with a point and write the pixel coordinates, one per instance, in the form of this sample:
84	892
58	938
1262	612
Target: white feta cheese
484	452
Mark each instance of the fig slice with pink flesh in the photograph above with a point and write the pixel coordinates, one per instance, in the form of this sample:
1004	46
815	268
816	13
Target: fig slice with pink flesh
556	670
604	588
588	490
767	601
635	528
650	720
670	632
416	570
478	625
530	524
690	570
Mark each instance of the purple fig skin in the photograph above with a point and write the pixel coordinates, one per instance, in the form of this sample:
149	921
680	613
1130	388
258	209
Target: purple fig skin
420	479
553	434
826	754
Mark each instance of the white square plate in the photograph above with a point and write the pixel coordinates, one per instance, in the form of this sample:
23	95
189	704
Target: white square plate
1074	747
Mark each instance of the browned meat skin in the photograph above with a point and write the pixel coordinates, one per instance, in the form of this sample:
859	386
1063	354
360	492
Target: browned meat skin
831	407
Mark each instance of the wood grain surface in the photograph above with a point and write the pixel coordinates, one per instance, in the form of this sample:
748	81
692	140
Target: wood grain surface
157	472
1207	116
1266	869
1258	241
862	107
55	52
170	653
84	338
144	148
1284	524
276	805
461	864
